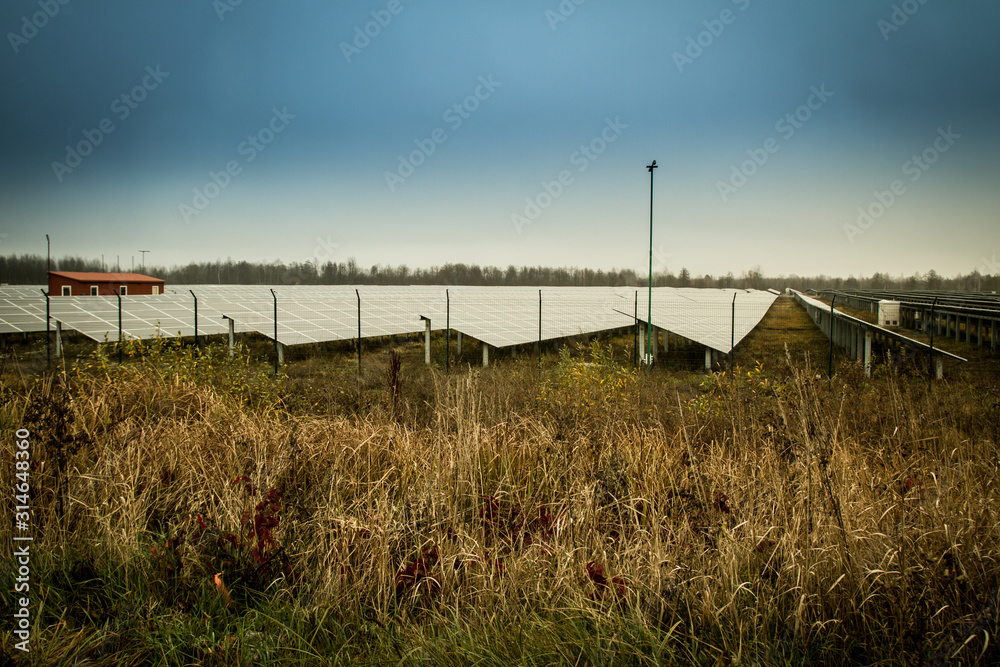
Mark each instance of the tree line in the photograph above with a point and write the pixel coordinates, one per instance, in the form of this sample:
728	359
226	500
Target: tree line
31	270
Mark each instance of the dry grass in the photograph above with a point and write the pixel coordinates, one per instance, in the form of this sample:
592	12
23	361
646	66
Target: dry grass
573	515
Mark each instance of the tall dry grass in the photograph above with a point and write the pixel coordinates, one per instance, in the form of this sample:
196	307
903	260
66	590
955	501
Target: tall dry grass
582	514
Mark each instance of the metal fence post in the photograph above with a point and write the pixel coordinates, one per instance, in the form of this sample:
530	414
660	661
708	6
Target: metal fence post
930	355
829	370
359	331
447	329
732	341
275	296
635	332
48	331
195	317
119	327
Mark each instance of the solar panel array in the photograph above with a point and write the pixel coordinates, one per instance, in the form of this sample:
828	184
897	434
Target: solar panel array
22	308
498	316
708	316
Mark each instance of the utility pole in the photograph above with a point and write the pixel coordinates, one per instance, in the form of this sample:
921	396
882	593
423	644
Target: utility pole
649	307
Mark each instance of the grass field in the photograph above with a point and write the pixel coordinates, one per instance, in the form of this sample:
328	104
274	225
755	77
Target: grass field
190	509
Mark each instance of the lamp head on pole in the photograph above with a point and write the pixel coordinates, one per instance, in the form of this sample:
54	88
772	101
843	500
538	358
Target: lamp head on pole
651	167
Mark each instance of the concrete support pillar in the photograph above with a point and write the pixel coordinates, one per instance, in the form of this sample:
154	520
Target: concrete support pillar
939	368
58	338
958	328
232	337
708	359
281	354
486	355
868	354
642	342
427	342
459	342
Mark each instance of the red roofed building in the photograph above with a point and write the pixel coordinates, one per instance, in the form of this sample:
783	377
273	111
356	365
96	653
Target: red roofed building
72	283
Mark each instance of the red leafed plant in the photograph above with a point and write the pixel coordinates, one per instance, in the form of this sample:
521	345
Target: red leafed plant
417	572
616	586
256	556
508	524
249	557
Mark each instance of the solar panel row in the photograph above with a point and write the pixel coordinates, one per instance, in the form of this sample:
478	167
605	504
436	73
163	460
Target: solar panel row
498	316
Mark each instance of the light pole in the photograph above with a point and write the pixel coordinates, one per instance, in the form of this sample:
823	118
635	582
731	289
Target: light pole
143	269
649	307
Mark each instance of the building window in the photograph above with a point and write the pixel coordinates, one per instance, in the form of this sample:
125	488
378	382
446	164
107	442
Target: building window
67	291
93	290
123	290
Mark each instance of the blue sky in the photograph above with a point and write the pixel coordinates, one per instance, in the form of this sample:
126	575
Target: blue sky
838	137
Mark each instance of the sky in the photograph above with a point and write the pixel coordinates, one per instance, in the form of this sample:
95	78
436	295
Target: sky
837	137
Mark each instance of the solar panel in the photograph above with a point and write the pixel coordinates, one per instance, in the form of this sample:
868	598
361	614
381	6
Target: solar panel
142	317
707	316
22	314
498	316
